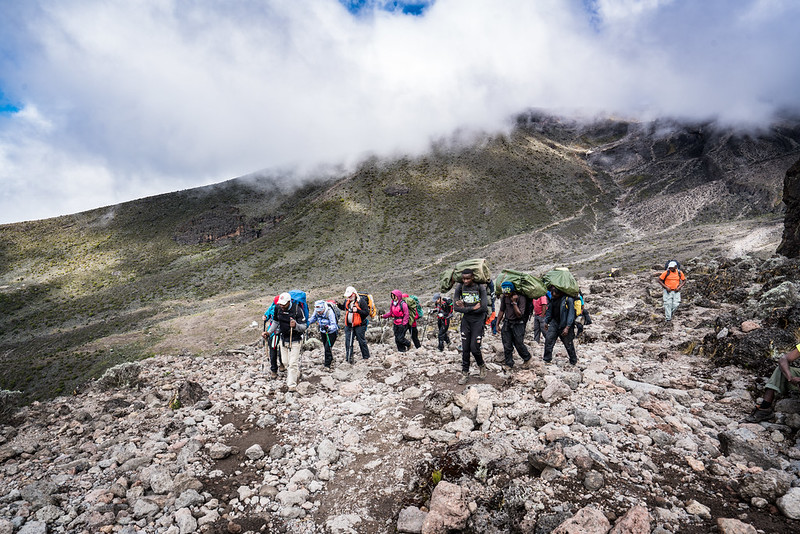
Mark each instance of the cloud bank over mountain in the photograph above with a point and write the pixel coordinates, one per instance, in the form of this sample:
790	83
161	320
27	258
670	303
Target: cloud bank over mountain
108	101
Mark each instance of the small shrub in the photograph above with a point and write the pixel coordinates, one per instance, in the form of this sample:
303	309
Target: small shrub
123	375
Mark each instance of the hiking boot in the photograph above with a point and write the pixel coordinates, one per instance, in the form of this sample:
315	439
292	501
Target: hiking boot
758	415
273	374
573	362
327	369
281	368
463	379
548	362
482	372
526	363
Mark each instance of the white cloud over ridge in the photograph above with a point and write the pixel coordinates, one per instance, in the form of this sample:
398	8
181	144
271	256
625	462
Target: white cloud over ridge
124	99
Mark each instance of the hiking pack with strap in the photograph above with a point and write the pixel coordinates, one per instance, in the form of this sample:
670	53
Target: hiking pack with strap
524	283
300	297
373	310
336	311
414	308
666	265
452	276
562	280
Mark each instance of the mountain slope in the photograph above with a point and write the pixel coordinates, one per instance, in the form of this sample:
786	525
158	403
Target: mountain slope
610	193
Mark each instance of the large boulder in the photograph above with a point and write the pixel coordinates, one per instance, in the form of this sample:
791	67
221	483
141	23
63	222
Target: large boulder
790	244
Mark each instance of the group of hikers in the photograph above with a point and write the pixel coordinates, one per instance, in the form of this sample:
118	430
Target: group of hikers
555	316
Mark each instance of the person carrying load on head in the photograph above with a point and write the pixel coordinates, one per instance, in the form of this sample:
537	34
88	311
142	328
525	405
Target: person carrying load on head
471	300
291	323
511	317
325	317
671	280
356	308
398	311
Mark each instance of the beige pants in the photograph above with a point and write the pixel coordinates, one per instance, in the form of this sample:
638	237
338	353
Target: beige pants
290	358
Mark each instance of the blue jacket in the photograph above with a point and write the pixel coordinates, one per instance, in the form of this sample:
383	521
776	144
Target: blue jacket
566	316
327	321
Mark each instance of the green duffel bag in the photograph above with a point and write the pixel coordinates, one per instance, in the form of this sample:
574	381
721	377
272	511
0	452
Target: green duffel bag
525	283
452	276
562	280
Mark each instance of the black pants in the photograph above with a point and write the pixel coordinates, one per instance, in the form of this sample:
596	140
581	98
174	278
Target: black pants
444	334
400	337
553	334
328	339
513	336
359	332
415	336
471	337
273	355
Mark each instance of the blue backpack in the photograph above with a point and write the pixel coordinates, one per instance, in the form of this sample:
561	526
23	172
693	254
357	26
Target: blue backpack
300	296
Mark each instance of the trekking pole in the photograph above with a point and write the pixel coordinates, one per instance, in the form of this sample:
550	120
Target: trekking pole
291	332
425	325
352	339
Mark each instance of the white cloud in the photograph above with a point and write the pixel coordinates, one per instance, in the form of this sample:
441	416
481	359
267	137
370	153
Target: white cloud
136	98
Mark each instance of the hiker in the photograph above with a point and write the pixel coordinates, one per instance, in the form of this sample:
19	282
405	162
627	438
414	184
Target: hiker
356	308
472	301
272	336
783	379
291	323
559	320
539	310
511	317
328	328
412	322
444	311
492	319
398	311
672	280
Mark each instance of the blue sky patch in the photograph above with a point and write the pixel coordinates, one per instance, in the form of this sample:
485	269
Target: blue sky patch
415	8
6	106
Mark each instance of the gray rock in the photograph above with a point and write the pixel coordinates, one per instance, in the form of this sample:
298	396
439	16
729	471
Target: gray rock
463	424
302	477
161	481
593	481
188	499
410	520
769	484
6	526
700	510
327	451
587	418
254	452
219	451
448	509
277	452
185	521
642	387
49	513
635	521
292	498
744	443
343	524
789	504
144	507
734	526
33	527
556	391
588	520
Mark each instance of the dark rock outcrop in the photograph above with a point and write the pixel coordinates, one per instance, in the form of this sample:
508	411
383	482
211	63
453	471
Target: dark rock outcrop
790	245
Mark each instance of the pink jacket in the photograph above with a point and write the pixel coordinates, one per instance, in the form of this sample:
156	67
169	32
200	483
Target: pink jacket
398	310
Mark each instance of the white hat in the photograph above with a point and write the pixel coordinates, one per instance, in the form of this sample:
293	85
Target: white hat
283	298
672	264
349	291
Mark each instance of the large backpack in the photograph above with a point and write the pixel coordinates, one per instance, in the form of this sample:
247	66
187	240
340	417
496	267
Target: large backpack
452	276
373	310
525	283
562	280
336	311
414	309
300	297
666	264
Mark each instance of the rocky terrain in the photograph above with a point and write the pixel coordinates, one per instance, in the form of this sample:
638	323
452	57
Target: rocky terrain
644	435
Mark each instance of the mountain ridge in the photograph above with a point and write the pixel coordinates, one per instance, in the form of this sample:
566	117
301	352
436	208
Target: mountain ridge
552	191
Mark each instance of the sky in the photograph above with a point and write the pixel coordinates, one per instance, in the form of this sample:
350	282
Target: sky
103	101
